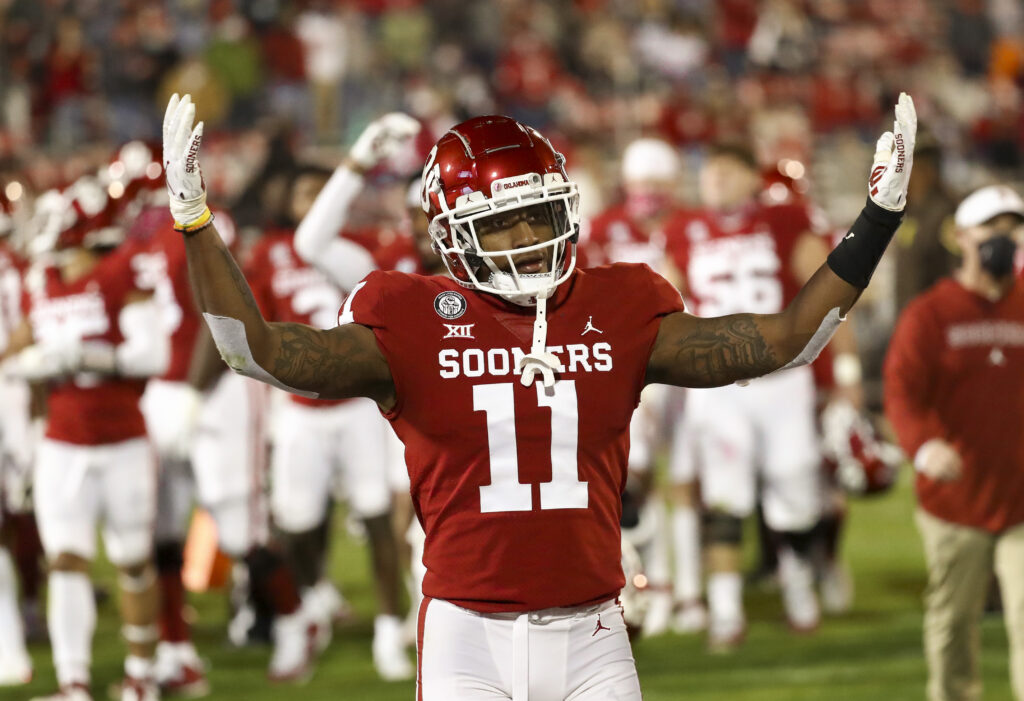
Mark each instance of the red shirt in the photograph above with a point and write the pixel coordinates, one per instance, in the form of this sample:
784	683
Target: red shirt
11	269
289	289
157	257
955	371
401	255
87	409
518	490
613	237
740	261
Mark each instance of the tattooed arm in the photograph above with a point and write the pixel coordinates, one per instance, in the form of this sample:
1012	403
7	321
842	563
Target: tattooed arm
694	352
334	363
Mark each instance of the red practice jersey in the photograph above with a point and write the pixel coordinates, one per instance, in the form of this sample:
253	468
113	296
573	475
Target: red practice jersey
289	289
738	262
11	270
518	488
86	409
613	237
955	371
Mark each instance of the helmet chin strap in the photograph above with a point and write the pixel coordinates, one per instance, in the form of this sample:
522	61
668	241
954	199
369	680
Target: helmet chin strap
539	360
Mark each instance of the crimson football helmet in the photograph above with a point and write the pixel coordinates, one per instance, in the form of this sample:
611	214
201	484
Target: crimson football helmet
861	462
134	171
486	166
80	215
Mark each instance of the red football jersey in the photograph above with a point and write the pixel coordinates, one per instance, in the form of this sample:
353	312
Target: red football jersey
401	255
157	257
87	409
738	262
613	237
289	289
11	270
391	249
518	488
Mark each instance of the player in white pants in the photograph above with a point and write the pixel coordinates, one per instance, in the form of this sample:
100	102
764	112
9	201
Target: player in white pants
318	448
733	436
645	518
16	439
229	462
633	231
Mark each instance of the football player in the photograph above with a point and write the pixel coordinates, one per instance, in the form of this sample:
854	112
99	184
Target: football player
318	443
15	437
633	231
346	260
93	337
208	429
740	252
515	423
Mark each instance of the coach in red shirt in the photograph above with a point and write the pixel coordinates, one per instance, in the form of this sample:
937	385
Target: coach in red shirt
954	391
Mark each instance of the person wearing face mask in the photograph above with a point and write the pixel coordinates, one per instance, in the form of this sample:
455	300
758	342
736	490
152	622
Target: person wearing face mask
954	392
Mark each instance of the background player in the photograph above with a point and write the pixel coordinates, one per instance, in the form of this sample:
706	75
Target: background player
345	261
208	431
320	443
15	460
741	252
633	231
93	336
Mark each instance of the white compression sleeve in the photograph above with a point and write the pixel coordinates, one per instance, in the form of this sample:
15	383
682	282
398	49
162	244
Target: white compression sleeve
818	341
317	241
146	349
229	335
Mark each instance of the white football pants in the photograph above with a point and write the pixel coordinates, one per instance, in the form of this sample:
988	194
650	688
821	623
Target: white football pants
565	654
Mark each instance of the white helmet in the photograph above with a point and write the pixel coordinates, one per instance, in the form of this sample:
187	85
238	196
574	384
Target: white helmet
650	159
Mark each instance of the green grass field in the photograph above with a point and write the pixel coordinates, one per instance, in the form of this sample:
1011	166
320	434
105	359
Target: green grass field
871	653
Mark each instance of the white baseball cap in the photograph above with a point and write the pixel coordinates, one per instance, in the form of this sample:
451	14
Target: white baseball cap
649	159
987	203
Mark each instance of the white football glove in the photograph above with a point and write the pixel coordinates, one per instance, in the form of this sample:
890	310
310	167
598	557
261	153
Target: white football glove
185	184
45	361
894	157
382	139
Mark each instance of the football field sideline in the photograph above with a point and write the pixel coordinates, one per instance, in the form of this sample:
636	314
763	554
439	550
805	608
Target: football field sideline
873	652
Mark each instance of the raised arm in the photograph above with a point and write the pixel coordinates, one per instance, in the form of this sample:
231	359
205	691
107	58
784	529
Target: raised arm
340	362
316	239
695	352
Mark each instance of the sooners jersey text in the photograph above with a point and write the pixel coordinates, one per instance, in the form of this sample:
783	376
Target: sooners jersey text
499	362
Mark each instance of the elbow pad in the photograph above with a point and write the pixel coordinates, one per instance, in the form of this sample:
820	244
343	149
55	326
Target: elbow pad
233	344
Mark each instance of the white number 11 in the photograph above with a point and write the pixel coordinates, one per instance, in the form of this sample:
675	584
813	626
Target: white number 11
506	492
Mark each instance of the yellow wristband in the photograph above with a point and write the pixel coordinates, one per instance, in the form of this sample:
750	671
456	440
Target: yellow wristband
204	220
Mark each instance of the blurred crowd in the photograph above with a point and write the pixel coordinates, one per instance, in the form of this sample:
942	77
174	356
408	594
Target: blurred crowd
808	81
782	98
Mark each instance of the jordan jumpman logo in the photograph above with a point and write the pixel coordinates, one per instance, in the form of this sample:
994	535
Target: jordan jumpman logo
600	627
590	327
